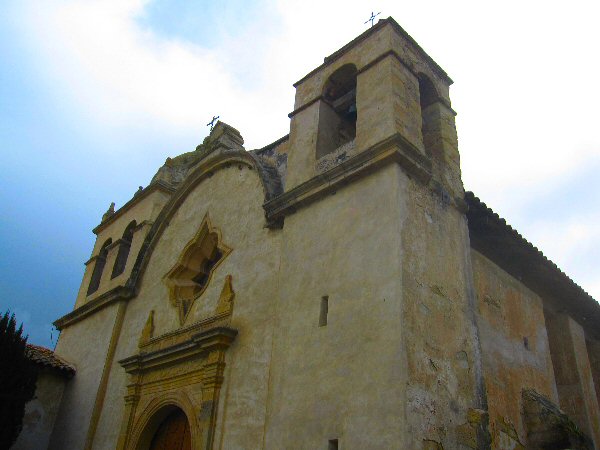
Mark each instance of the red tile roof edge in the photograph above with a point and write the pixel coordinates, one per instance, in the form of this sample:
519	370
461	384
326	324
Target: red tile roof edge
45	357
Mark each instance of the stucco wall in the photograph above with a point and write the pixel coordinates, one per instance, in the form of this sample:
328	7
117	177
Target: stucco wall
344	380
41	411
515	348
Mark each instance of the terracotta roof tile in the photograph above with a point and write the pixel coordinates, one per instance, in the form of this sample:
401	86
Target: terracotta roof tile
47	358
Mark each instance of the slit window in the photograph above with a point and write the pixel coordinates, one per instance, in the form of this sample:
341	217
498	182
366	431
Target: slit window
324	311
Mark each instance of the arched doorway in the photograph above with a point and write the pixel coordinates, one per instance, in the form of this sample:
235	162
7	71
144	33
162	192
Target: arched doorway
173	433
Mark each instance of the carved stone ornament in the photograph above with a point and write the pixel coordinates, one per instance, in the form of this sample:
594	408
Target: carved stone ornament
190	276
225	304
109	212
183	369
148	330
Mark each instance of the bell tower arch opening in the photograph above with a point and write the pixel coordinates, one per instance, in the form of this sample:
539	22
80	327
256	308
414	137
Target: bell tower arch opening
124	247
99	268
337	111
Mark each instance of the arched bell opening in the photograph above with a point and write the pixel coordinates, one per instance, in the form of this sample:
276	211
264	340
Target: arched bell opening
337	111
124	247
98	268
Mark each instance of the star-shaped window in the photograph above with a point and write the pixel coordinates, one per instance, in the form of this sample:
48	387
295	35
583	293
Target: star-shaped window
188	279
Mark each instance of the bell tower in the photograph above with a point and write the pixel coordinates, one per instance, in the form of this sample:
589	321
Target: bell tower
379	90
376	247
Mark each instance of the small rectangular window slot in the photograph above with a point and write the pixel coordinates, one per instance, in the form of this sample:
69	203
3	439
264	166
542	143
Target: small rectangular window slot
333	444
324	312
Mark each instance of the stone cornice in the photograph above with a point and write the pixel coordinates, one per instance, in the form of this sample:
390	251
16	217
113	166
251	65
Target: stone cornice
218	338
395	149
108	298
157	186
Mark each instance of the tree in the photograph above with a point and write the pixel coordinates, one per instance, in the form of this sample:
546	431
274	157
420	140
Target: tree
18	376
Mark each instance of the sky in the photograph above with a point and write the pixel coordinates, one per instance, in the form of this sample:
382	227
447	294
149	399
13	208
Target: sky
95	94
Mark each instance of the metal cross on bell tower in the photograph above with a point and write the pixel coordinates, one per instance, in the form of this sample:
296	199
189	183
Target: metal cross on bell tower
212	122
372	18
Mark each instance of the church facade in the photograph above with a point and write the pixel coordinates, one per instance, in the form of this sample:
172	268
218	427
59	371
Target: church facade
336	289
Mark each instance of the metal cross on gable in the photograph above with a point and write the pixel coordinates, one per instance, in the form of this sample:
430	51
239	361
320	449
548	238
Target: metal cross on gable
372	18
212	122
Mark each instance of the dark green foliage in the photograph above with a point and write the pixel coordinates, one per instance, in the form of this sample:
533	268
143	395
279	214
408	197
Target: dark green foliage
17	379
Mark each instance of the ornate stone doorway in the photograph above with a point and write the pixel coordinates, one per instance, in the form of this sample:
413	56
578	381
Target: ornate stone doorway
179	371
173	433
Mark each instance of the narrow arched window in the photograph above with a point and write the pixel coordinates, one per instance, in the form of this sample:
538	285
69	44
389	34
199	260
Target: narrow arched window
124	246
337	112
427	96
98	268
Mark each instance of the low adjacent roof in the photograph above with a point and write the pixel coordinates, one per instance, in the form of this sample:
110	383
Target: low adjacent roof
45	357
498	241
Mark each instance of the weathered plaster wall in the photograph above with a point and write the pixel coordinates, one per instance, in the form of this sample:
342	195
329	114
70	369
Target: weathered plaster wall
573	374
233	198
302	146
41	411
344	380
442	392
406	105
387	100
593	349
516	353
84	344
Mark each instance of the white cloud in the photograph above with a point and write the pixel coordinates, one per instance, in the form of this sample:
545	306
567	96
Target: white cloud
97	56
